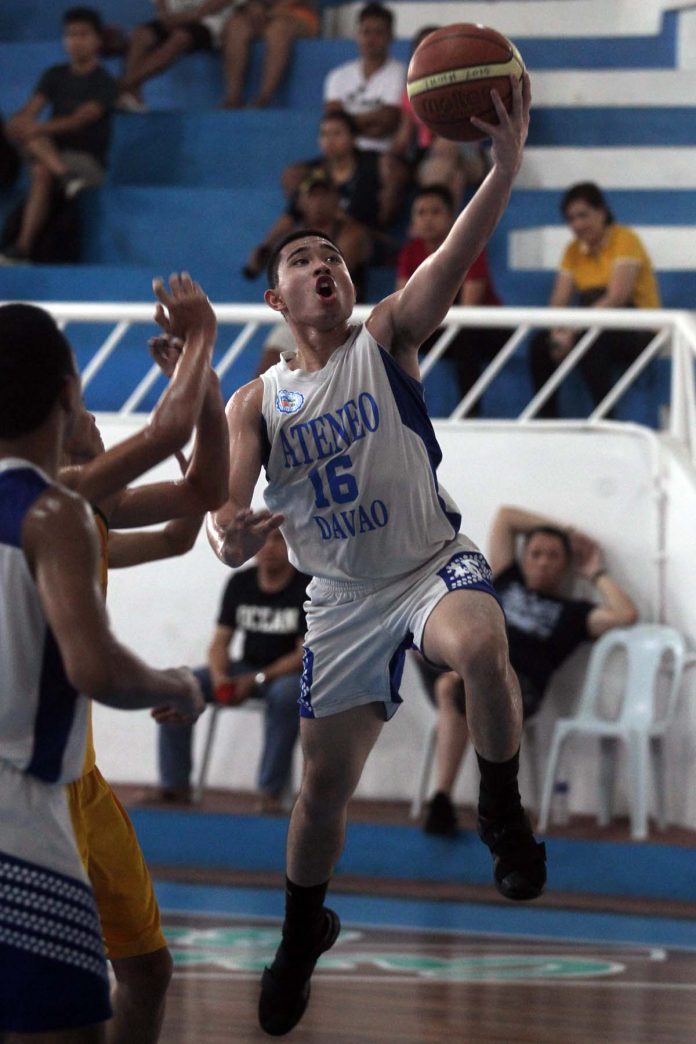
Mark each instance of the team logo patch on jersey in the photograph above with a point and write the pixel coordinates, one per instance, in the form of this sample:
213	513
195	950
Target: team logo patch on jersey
289	401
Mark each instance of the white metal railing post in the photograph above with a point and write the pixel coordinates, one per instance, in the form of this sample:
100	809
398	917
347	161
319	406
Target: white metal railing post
100	356
559	374
627	379
490	373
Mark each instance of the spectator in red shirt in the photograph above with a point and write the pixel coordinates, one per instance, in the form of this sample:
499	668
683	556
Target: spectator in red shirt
432	215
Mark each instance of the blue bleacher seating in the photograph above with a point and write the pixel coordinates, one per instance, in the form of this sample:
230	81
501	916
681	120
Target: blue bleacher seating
192	186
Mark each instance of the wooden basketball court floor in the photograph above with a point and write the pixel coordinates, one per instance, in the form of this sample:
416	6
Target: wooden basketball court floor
416	971
427	962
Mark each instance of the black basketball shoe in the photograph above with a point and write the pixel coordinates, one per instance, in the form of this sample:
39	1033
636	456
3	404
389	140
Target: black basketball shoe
519	861
441	817
285	985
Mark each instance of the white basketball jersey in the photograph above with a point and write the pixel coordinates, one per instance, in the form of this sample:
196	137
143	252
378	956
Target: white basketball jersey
352	464
43	719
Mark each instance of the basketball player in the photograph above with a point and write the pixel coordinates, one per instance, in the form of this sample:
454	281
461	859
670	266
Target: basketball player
56	650
351	457
107	843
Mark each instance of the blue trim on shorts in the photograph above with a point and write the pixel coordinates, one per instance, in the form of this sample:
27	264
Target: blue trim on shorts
39	994
53	972
460	573
305	700
410	402
396	670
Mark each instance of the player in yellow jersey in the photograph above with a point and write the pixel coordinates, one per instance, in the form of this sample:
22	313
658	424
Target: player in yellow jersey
107	842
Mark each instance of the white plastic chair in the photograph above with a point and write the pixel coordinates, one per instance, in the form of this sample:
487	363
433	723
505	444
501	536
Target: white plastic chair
254	703
641	724
529	745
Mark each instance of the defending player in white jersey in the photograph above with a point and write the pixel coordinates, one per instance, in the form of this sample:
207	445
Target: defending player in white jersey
56	649
351	461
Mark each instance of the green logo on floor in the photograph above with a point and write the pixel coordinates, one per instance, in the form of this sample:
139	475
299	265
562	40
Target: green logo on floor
235	951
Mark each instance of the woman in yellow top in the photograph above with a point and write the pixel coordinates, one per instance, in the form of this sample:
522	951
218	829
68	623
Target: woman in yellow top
605	266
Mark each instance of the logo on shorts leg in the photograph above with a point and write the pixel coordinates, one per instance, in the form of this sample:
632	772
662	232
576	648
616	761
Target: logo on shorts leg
289	401
467	569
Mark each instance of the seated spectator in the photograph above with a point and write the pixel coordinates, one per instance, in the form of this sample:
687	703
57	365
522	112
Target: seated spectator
181	27
432	215
605	266
353	171
435	160
65	152
370	89
278	23
264	604
318	206
543	627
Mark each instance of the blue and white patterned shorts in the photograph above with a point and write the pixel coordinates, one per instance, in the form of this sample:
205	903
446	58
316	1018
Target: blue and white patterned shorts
53	973
358	633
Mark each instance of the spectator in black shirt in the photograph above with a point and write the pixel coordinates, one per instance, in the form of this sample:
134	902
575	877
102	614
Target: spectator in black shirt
66	152
264	604
355	172
352	177
543	628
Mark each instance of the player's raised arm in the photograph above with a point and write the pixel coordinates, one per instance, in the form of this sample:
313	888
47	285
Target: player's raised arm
185	312
405	319
235	531
174	539
59	540
205	477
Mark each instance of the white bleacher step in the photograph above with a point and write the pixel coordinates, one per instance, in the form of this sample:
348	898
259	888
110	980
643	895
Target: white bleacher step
638	167
533	18
670	247
614	88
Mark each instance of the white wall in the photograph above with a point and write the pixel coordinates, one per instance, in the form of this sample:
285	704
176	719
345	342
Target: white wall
603	481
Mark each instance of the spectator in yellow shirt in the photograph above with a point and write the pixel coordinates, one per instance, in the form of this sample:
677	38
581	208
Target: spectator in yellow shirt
605	266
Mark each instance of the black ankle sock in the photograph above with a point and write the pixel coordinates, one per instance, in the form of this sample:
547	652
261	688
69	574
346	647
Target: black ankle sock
303	907
498	793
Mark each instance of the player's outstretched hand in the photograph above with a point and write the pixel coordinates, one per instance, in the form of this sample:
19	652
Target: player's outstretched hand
166	351
510	133
184	308
246	534
186	707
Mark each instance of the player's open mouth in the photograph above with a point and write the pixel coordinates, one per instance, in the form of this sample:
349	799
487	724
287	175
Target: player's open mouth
325	286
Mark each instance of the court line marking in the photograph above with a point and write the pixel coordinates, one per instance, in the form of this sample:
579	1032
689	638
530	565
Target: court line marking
512	935
409	980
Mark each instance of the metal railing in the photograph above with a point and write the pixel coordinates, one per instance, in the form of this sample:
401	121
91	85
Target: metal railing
674	336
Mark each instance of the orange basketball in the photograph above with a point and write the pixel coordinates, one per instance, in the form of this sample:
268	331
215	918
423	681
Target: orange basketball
452	73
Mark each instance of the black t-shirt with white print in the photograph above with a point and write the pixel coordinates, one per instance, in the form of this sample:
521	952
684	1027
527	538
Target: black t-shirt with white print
542	630
270	622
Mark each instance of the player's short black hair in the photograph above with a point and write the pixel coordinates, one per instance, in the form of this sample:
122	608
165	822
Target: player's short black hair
441	191
35	360
84	14
341	116
552	531
299	233
586	192
375	10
